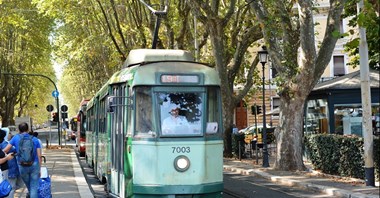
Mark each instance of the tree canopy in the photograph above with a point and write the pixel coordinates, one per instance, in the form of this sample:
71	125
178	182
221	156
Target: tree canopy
24	48
369	18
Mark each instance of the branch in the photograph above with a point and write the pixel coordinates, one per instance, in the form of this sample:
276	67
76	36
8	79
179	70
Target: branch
231	11
110	32
196	6
273	47
118	23
248	85
252	34
307	38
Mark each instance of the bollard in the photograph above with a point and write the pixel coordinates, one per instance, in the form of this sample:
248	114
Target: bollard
257	153
239	152
47	143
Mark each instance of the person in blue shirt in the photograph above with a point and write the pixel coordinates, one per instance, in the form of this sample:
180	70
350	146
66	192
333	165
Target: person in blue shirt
4	158
29	174
14	177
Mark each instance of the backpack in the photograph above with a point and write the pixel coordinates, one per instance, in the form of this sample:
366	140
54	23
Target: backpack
26	150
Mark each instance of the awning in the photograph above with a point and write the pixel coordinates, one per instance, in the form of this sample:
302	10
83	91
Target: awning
275	111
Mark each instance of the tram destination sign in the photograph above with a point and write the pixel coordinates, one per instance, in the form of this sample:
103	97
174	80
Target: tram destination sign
170	78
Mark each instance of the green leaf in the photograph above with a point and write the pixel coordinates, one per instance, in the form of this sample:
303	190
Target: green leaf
362	19
353	44
336	34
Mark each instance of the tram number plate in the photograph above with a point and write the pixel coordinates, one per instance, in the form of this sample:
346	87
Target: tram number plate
179	149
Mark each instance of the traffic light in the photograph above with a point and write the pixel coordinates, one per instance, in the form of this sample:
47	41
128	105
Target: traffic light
253	109
258	109
64	115
55	117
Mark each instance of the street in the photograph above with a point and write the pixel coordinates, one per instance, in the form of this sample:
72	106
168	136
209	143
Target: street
52	135
243	186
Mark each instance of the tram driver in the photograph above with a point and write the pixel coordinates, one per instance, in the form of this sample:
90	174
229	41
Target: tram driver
175	124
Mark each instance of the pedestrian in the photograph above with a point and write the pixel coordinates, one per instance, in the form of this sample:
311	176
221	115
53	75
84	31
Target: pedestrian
3	156
29	171
14	176
35	134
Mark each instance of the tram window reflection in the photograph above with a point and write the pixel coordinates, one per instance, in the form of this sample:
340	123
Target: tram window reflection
144	111
213	111
181	113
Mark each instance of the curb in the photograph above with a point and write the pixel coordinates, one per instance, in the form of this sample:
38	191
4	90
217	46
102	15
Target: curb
84	190
291	182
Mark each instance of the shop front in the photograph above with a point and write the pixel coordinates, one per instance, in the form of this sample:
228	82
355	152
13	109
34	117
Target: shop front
334	106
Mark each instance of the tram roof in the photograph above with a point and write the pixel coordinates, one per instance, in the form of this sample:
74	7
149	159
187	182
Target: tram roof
153	55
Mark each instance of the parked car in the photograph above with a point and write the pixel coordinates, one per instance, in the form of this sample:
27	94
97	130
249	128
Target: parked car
70	135
251	135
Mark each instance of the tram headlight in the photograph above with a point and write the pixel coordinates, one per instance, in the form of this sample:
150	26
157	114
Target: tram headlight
181	163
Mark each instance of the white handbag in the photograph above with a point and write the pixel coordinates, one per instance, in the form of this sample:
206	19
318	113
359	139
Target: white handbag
1	176
44	172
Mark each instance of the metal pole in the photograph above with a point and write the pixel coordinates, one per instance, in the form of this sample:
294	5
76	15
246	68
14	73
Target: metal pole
257	135
195	39
366	105
265	147
270	93
49	128
56	89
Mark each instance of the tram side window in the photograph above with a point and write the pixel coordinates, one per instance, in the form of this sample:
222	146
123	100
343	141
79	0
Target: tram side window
213	111
144	111
181	113
102	117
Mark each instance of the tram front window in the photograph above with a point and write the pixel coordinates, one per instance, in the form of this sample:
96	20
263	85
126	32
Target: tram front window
180	113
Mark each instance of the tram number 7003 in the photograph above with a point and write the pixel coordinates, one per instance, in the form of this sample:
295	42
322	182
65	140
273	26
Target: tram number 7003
179	149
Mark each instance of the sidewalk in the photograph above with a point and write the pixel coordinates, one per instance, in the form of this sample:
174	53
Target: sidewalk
311	180
66	175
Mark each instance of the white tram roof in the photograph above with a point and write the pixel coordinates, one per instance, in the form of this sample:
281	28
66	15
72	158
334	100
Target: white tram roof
153	55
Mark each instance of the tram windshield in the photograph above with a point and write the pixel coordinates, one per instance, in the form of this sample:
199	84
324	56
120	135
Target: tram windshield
180	113
176	113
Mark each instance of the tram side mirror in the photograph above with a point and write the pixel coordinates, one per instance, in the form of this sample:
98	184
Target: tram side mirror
212	127
110	104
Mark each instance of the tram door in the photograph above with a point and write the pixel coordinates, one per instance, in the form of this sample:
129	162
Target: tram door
116	182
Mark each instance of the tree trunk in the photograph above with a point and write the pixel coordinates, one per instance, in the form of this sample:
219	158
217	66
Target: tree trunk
228	111
289	135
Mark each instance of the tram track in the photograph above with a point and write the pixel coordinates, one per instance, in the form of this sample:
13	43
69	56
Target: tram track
230	194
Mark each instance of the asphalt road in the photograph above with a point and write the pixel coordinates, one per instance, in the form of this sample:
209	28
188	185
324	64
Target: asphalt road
243	186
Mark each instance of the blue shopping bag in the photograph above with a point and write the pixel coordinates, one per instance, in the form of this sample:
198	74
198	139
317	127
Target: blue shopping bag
44	188
5	188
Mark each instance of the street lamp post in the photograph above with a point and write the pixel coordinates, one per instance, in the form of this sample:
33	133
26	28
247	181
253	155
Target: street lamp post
263	56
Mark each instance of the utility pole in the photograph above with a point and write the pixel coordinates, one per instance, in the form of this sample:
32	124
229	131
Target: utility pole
366	104
57	99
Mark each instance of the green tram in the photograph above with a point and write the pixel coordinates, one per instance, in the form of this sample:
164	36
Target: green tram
155	128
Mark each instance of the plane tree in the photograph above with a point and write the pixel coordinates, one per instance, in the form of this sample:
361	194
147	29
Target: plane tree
289	35
24	48
232	32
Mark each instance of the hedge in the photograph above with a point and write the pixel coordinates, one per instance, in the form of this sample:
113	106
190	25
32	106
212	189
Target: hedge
340	155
